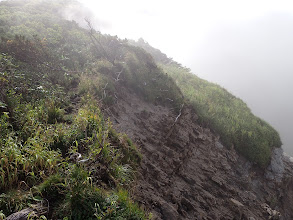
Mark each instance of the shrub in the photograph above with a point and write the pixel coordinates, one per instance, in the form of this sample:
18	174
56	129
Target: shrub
55	113
143	75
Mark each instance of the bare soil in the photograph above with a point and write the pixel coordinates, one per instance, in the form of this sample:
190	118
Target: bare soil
186	173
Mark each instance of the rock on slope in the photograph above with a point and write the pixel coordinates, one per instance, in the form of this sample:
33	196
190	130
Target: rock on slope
187	173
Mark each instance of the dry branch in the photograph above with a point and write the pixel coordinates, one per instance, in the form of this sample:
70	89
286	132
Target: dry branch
180	112
118	75
96	41
176	119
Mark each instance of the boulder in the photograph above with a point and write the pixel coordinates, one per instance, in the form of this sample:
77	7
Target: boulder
275	170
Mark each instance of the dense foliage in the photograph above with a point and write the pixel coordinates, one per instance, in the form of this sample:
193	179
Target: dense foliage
56	147
73	160
218	109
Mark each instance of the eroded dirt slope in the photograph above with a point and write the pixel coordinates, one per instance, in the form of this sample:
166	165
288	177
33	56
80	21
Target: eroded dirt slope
187	173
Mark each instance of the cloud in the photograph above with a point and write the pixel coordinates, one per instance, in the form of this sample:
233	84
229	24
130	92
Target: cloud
244	46
253	59
80	13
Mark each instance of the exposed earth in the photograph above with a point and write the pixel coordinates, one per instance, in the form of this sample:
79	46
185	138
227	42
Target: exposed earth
187	173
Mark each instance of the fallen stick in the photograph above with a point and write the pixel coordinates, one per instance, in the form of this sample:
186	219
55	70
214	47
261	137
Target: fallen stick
176	119
180	112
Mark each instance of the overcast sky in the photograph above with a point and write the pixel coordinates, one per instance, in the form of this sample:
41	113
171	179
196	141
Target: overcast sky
245	46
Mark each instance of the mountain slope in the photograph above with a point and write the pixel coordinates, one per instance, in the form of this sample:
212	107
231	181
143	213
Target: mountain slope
60	83
221	111
186	173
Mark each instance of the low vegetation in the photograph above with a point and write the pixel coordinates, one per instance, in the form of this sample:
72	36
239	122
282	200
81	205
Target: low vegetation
56	147
219	110
228	116
79	165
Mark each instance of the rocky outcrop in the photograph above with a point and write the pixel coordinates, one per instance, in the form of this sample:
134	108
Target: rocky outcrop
187	173
33	212
276	169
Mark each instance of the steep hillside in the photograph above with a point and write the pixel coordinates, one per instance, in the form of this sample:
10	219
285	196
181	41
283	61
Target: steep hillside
221	111
186	173
93	127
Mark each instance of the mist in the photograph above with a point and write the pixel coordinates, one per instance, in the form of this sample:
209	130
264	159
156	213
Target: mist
253	60
246	47
80	14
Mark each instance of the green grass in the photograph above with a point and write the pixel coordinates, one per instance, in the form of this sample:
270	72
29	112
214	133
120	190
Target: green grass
77	190
41	74
219	110
227	115
38	136
36	143
143	75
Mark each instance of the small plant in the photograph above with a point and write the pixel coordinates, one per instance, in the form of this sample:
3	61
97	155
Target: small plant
123	173
55	113
2	215
52	188
130	153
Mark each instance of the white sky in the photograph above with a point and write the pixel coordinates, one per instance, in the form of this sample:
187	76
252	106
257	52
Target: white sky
167	24
245	46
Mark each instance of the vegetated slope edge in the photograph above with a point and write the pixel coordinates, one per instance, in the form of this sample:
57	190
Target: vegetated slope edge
224	113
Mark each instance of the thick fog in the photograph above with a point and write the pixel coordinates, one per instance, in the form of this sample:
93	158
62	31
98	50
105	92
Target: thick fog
254	60
244	46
